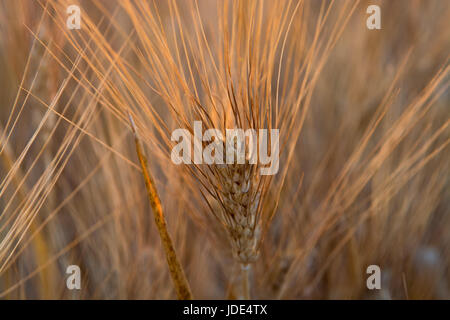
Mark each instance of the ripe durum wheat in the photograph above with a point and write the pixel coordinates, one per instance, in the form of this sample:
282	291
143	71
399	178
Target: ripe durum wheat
364	147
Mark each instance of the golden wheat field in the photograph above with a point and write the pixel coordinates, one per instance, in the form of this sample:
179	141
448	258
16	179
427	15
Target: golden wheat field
88	181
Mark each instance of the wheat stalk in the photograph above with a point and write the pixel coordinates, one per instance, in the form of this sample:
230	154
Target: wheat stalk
176	270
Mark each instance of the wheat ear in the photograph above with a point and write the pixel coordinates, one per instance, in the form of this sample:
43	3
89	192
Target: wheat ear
176	270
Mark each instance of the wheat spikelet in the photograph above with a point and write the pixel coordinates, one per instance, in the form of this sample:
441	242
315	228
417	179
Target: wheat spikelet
238	190
240	197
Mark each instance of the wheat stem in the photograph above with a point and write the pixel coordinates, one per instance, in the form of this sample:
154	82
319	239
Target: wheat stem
245	270
176	270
